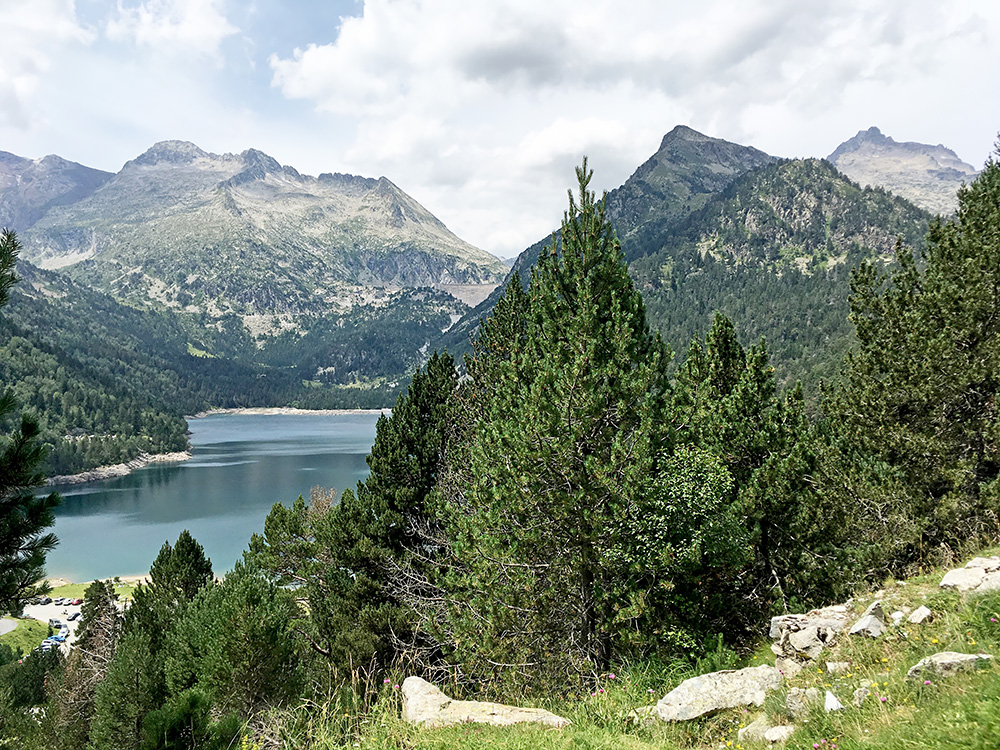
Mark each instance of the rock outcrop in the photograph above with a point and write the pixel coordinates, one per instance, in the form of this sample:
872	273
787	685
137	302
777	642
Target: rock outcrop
871	623
713	692
424	704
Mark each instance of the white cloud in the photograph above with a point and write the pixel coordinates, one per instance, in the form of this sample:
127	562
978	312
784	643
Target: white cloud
480	109
181	26
34	33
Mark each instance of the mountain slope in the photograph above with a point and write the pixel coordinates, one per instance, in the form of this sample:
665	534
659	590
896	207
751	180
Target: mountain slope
30	187
709	225
929	176
213	234
773	251
686	170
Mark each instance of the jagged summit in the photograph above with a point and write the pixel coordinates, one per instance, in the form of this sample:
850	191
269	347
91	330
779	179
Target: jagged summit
169	152
927	175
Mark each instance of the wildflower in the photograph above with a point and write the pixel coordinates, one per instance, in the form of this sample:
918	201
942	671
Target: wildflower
882	699
385	681
395	687
885	661
611	676
934	640
651	691
927	682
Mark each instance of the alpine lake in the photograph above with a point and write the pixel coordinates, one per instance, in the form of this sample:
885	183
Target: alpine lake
241	465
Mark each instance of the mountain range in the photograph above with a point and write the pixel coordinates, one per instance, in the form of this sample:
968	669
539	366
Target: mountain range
189	280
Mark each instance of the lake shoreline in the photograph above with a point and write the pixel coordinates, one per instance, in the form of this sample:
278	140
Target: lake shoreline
119	470
145	459
278	410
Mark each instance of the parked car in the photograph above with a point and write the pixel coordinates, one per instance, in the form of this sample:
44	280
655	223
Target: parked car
77	601
54	623
74	616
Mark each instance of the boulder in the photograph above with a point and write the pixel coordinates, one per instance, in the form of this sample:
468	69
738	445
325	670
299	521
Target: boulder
798	701
871	622
830	702
945	664
920	614
860	695
980	574
713	692
838	667
426	705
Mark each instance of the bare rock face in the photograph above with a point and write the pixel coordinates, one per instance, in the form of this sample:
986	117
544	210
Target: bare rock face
927	175
947	663
980	574
713	692
426	705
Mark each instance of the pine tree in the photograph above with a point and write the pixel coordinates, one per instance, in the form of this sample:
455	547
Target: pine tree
23	516
344	557
566	454
917	433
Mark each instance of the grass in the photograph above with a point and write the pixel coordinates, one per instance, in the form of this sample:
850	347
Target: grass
27	636
899	713
76	590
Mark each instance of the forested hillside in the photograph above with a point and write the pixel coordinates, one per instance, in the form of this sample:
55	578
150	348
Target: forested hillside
706	226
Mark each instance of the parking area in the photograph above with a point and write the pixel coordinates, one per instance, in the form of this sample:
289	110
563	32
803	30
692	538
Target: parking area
65	611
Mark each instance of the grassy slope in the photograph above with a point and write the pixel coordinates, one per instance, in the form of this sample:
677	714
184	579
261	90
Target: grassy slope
28	635
960	712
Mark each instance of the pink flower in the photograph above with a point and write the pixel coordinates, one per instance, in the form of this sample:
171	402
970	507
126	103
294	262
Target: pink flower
882	699
815	744
611	676
395	687
600	690
385	681
927	682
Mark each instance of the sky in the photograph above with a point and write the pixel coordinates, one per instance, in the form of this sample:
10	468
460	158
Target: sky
480	109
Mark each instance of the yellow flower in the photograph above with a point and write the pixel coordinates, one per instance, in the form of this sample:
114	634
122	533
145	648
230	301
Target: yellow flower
934	640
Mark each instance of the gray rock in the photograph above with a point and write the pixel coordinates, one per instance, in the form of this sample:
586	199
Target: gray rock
754	731
709	693
920	614
963	579
833	618
831	703
946	663
779	734
426	705
789	667
798	701
980	574
860	696
868	625
871	622
838	667
897	617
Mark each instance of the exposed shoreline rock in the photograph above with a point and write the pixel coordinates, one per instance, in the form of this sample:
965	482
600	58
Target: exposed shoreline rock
120	470
271	410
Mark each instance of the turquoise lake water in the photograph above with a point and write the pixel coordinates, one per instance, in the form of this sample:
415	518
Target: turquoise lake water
242	464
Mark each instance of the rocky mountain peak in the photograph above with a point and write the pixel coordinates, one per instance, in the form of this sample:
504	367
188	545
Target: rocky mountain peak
682	133
168	152
924	174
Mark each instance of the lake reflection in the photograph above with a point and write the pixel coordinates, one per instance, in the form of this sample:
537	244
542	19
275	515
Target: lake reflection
242	464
